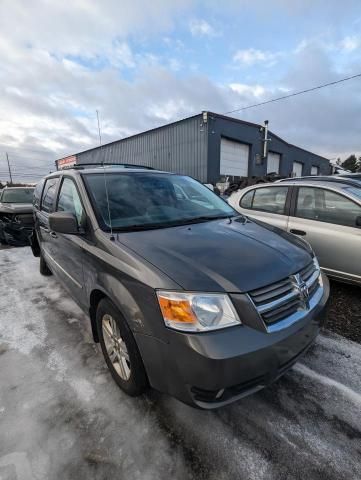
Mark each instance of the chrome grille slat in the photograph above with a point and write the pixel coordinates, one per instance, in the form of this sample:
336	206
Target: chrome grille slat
277	303
291	309
269	288
282	308
281	299
275	293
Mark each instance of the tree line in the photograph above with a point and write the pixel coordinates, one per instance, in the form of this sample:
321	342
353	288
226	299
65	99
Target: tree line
351	163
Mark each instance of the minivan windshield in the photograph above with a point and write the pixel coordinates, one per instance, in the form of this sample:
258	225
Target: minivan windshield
17	195
139	200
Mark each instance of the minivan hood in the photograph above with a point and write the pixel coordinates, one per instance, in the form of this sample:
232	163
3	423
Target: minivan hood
16	207
220	255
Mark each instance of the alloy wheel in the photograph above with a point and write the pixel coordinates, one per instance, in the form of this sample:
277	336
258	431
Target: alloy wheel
116	348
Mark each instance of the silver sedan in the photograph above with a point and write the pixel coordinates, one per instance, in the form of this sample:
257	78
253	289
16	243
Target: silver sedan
325	212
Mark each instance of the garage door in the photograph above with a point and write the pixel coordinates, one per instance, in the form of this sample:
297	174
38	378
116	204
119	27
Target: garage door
273	162
234	158
297	169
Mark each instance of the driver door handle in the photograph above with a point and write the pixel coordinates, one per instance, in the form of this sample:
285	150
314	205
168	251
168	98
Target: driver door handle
298	232
53	235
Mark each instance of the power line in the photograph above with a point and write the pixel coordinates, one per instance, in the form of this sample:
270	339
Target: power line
277	99
294	94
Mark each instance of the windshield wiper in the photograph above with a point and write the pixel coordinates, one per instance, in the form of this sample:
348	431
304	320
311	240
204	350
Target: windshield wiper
205	218
144	226
173	223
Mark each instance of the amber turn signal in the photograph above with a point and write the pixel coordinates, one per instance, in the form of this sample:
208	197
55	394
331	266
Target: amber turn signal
176	310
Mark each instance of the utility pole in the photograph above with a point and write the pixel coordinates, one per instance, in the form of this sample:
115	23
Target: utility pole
11	178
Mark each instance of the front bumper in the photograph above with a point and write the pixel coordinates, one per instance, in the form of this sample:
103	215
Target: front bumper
213	369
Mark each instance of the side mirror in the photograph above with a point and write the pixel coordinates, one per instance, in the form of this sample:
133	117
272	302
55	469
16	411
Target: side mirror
358	221
64	222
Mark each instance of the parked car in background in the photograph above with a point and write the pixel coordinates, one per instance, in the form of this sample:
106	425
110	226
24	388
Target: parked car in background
16	215
184	294
325	211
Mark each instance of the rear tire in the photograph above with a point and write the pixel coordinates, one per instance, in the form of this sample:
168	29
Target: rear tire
44	269
120	349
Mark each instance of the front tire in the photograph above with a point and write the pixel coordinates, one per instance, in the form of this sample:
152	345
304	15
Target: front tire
120	349
44	269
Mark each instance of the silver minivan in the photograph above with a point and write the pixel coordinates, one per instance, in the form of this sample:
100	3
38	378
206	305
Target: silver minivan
326	213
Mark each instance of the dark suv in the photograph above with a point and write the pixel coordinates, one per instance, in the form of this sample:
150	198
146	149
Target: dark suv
184	294
16	215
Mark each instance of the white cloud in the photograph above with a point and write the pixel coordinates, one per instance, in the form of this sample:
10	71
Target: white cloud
248	90
121	55
351	43
252	56
200	27
50	88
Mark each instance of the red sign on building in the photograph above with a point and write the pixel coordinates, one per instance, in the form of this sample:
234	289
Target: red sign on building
66	162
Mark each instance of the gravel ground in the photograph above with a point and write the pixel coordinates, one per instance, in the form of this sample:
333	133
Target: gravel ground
62	417
344	316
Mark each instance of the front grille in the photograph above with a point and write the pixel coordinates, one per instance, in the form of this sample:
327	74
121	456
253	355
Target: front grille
282	299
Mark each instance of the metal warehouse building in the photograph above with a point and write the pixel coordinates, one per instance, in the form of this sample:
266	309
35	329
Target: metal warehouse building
209	147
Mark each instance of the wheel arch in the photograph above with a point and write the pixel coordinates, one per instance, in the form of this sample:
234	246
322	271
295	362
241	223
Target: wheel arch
95	297
109	287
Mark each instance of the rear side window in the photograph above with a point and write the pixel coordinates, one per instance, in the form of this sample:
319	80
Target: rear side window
37	194
246	200
326	206
48	197
266	199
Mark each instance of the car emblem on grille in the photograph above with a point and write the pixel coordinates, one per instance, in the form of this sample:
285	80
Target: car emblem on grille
302	288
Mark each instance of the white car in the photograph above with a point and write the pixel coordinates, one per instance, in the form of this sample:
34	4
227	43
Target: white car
325	212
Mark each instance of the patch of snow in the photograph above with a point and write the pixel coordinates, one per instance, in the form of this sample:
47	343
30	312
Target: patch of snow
345	391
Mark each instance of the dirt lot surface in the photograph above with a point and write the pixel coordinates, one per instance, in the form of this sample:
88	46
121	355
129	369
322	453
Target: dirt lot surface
345	311
62	417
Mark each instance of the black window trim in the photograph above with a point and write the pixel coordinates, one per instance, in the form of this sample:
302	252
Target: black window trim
295	198
286	211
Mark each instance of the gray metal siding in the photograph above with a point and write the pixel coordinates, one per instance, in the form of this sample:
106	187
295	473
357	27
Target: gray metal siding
188	147
250	134
180	147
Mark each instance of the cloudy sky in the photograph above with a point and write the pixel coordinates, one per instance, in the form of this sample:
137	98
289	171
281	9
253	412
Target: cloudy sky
143	64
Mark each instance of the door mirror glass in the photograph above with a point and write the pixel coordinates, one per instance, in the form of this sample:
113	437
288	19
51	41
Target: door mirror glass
64	222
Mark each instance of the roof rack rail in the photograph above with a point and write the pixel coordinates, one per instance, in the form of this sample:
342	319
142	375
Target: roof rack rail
333	179
81	166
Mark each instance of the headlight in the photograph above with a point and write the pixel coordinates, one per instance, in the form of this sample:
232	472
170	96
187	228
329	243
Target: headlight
197	312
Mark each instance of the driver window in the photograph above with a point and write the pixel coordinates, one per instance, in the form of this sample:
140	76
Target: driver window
69	200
